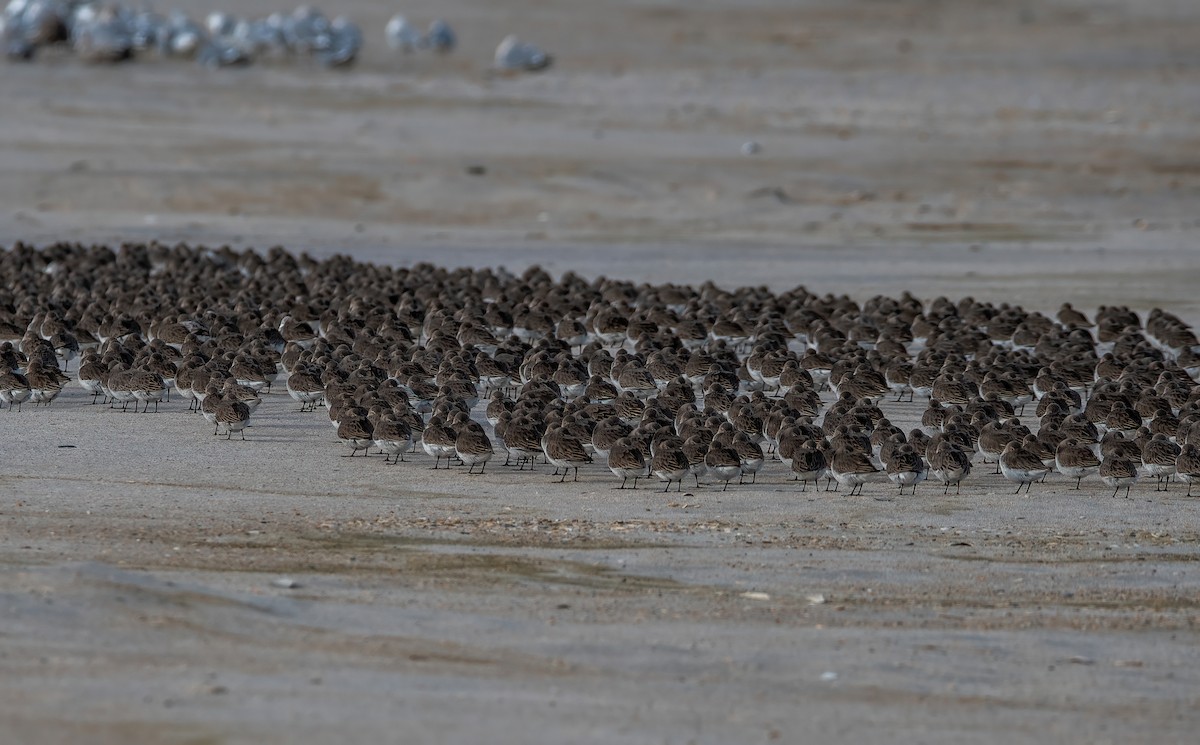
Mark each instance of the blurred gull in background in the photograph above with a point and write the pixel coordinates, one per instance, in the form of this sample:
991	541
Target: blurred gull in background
514	55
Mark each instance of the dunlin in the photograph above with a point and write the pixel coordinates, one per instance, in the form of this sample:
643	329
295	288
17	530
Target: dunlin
1021	466
473	446
851	467
669	464
626	461
723	462
949	464
235	415
906	468
1117	473
1187	465
564	452
14	389
1075	460
1159	456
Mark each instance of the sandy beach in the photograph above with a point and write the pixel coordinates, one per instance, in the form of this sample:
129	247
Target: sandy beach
163	585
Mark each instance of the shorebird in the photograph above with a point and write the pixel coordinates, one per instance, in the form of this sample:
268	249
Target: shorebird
750	454
1187	465
669	464
393	436
440	37
523	440
949	465
402	35
564	451
235	415
1075	460
438	441
625	460
906	468
723	462
809	464
1021	466
1158	458
1117	473
14	389
146	387
696	450
1072	318
851	467
473	446
514	55
45	382
120	388
993	438
353	429
306	388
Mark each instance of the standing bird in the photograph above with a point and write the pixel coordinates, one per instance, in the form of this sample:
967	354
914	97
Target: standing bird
564	451
234	415
1118	472
522	440
146	387
438	441
440	37
1158	458
402	35
1075	460
14	389
906	468
851	467
723	462
473	446
1187	465
696	450
669	464
354	430
91	370
45	382
393	436
949	464
305	387
625	459
809	464
751	455
1021	466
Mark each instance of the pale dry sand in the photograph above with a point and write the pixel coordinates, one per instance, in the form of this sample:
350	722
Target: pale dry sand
1034	153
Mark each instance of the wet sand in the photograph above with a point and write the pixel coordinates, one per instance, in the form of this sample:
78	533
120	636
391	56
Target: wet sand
1033	155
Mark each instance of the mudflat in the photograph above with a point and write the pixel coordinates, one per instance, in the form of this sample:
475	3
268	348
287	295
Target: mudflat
163	585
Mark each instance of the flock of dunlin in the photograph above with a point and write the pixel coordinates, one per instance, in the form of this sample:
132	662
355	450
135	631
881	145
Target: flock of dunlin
663	382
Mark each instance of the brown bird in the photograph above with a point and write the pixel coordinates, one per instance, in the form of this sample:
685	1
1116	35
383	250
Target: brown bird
949	464
1118	472
564	451
1021	466
1075	460
1187	465
625	459
669	464
354	429
473	446
1158	458
723	462
234	415
851	467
